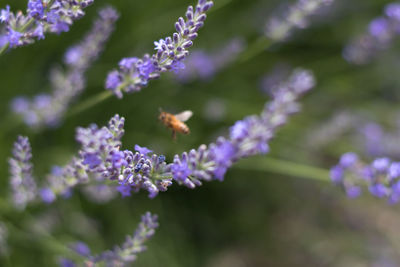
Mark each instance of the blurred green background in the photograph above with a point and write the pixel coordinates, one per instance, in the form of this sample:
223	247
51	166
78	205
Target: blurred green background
253	218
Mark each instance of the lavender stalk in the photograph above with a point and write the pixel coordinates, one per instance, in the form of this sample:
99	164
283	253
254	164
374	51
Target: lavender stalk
55	16
67	85
101	158
381	177
380	34
134	73
23	185
279	28
119	256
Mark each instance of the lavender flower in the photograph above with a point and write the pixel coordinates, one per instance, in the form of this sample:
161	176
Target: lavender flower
203	66
22	183
379	36
67	85
381	177
279	28
135	73
101	159
54	16
119	256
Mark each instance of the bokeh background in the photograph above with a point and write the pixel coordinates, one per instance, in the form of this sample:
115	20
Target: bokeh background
256	217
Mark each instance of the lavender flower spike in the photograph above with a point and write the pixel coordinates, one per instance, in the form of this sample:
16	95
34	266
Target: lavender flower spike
101	159
381	177
135	73
126	253
204	66
48	109
22	183
380	34
248	137
54	16
296	16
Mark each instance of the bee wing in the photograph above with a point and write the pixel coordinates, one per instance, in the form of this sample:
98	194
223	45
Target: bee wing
184	116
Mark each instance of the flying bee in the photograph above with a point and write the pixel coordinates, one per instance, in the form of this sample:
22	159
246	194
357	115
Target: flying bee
176	122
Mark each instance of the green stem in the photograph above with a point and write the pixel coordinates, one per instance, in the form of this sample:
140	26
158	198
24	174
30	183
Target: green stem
4	49
89	103
260	45
284	167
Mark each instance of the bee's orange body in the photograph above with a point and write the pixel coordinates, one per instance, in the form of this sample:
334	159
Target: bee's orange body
172	122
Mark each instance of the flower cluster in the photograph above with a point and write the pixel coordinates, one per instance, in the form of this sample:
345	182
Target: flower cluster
23	185
119	256
46	109
101	159
42	16
135	73
203	66
379	36
279	28
382	177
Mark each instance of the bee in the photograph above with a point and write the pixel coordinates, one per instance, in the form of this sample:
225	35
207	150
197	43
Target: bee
176	122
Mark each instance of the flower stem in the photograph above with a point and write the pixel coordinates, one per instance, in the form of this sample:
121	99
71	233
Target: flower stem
257	47
284	167
89	103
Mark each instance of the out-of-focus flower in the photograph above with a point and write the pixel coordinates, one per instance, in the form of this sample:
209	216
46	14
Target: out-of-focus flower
22	183
379	36
203	66
120	255
296	16
67	85
381	177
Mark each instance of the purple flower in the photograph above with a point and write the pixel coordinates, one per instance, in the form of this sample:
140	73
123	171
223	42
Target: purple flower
159	45
125	190
395	194
239	130
222	154
67	263
126	253
180	170
67	83
5	14
42	17
353	191
145	68
81	248
394	170
14	38
118	159
36	8
378	190
91	159
348	159
336	174
113	80
392	10
73	55
47	195
379	27
176	66
135	74
20	104
142	150
128	63
381	164
39	31
22	183
297	15
60	26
